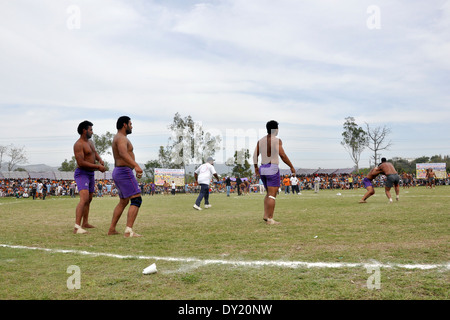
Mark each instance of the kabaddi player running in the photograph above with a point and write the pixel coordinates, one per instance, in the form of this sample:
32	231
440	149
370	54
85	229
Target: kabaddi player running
124	178
270	148
85	155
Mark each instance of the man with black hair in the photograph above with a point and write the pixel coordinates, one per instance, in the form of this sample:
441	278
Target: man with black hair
270	148
88	161
124	179
392	179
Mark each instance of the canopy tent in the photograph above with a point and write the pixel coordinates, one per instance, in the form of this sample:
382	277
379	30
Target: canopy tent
107	175
306	172
68	175
42	175
14	175
64	175
50	175
345	171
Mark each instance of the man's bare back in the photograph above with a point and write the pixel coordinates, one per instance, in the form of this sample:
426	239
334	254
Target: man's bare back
387	168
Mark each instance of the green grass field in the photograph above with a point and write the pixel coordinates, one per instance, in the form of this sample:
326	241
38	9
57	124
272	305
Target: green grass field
214	254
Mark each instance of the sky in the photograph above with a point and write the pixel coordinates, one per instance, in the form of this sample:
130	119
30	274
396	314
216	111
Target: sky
232	66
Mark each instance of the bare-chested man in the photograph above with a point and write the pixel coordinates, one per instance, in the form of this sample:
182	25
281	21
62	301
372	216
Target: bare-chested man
124	179
270	148
86	158
392	179
367	181
431	178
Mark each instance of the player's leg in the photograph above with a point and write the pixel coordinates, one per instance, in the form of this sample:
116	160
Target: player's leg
133	210
117	213
397	191
269	204
370	192
80	209
86	213
387	190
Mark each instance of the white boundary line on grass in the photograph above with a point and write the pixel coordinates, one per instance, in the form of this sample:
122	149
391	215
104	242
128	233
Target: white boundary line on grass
283	264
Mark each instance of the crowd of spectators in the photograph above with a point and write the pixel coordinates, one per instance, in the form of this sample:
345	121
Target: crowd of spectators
41	189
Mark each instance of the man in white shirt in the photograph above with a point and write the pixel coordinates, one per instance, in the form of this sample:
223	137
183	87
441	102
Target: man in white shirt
174	187
203	176
39	188
316	183
294	184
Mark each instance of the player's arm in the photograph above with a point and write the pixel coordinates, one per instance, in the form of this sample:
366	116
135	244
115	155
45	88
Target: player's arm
78	151
255	158
98	158
284	157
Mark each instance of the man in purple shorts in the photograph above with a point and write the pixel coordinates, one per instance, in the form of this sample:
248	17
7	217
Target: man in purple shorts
270	148
126	183
270	175
367	181
86	157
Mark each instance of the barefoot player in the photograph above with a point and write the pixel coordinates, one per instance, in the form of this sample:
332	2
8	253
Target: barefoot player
367	181
124	178
86	158
270	147
392	179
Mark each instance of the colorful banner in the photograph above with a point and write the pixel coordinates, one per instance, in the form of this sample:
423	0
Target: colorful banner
438	168
169	175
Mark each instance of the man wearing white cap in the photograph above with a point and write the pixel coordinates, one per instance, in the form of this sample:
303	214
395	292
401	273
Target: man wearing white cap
203	176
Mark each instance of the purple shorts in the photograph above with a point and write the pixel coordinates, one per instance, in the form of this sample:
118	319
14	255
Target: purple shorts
85	180
367	183
270	175
126	182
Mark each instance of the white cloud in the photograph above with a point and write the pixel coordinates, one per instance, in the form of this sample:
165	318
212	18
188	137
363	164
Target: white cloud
230	64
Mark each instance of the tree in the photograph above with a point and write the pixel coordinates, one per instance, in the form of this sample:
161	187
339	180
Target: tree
189	143
241	165
164	158
69	166
3	150
149	169
423	159
377	142
403	165
103	143
354	140
17	156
